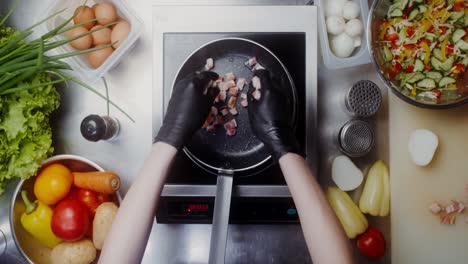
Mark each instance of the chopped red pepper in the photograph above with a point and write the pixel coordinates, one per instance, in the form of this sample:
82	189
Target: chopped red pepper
450	48
391	37
459	67
428	67
458	6
409	69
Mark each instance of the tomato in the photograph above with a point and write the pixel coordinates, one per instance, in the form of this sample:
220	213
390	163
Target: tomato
408	10
458	6
391	37
428	42
428	67
70	220
410	32
437	93
394	69
409	46
409	69
431	29
449	49
92	200
443	30
371	243
393	45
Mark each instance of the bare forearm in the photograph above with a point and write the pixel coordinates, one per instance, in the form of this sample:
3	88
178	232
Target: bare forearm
325	238
127	239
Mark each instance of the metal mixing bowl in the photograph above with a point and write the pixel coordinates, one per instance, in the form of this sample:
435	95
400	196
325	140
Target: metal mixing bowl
377	16
30	248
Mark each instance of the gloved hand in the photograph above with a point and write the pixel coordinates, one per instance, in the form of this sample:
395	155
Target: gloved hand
188	108
270	117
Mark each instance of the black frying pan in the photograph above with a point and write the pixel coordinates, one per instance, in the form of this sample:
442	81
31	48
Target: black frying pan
242	154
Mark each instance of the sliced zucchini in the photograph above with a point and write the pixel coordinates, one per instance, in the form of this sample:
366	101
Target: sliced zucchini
447	65
418	1
465	22
418	66
446	81
414	77
435	63
422	8
430	36
427	83
403	4
456	15
457	35
437	53
413	13
461	44
388	54
396	13
434	75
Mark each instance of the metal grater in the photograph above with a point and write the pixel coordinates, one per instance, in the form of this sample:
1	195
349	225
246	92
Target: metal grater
356	138
363	99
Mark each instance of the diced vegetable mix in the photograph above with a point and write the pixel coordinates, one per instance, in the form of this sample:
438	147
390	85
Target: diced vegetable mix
426	43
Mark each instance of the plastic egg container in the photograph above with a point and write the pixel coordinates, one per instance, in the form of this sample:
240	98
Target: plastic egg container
360	55
80	64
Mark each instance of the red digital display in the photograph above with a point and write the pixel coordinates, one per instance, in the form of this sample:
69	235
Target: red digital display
196	208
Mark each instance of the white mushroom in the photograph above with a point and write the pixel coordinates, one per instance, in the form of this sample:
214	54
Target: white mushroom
354	28
335	25
351	10
342	45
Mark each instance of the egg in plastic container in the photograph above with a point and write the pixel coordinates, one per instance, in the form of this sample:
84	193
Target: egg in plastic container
360	54
80	65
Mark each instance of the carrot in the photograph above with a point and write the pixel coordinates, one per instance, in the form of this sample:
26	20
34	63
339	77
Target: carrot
103	182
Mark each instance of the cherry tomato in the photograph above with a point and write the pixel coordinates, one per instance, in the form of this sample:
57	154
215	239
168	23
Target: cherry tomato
70	220
371	243
410	32
92	200
409	69
459	67
428	67
391	37
437	93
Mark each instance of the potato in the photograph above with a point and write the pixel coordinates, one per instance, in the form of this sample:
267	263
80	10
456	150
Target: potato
102	222
77	252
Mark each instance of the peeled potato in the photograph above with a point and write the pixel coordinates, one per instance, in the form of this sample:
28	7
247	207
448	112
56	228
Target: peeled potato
422	146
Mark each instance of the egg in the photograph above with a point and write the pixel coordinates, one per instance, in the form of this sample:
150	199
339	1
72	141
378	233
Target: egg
105	13
357	41
335	25
351	10
120	33
101	36
354	28
98	57
342	45
82	43
83	14
333	8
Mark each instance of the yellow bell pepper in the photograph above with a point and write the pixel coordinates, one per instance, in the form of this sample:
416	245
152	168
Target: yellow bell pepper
375	198
353	221
37	221
444	49
427	50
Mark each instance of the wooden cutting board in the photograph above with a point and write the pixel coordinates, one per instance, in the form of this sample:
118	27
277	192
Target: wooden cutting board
417	235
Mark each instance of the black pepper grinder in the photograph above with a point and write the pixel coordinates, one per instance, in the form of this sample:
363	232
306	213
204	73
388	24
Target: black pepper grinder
95	128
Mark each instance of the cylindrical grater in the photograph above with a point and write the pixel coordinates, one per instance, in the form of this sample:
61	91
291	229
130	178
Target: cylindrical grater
363	99
356	138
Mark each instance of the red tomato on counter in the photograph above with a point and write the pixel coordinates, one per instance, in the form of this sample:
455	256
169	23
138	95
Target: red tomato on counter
371	243
70	220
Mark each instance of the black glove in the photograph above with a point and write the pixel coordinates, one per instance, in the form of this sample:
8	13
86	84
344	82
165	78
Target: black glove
270	117
188	108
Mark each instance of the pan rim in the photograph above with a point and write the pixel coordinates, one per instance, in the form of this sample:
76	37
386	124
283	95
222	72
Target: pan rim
193	157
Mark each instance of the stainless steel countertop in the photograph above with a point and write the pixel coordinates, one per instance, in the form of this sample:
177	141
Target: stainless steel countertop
131	87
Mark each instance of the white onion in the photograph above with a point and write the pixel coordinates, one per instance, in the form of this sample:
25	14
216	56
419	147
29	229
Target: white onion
422	146
345	174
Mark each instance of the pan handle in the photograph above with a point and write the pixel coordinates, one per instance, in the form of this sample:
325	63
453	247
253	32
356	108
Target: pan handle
219	228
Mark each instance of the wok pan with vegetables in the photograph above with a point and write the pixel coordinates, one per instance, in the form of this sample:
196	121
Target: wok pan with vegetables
223	154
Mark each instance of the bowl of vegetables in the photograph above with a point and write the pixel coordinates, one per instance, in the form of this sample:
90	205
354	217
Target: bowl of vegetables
420	50
63	214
